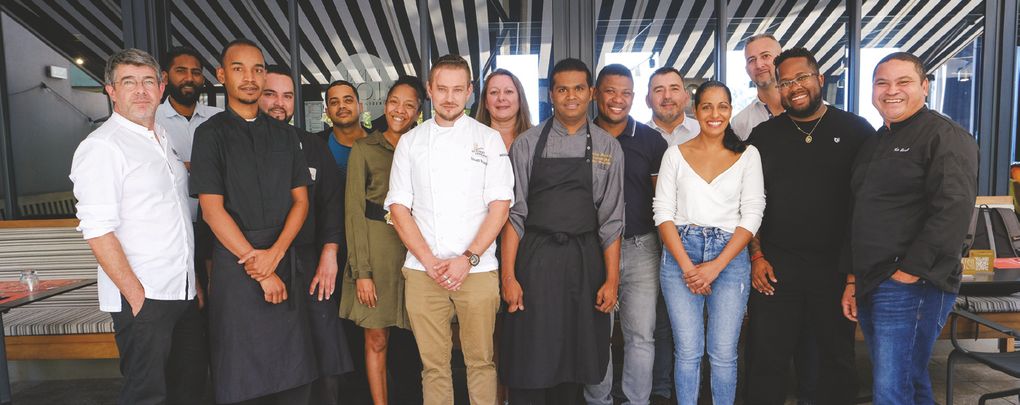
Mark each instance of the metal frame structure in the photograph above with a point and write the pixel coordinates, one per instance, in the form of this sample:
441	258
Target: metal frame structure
146	23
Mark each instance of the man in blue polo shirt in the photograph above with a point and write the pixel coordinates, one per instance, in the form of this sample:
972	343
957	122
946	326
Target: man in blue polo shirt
643	148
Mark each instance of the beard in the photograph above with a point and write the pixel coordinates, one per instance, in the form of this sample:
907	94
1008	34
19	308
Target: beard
186	99
812	107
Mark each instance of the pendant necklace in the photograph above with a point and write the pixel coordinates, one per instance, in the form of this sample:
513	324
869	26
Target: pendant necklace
807	134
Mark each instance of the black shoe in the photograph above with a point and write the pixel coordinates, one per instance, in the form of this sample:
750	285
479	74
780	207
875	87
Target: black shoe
660	400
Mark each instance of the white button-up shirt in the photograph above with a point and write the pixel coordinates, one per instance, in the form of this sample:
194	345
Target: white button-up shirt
128	181
687	130
448	176
181	133
748	118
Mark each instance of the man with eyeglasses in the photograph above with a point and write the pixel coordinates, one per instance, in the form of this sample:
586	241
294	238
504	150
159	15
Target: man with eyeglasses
132	202
807	153
759	53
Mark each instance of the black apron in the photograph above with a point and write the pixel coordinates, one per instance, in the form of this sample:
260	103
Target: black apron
560	337
332	352
257	348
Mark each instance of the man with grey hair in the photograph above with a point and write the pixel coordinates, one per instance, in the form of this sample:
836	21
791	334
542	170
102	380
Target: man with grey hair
759	52
133	209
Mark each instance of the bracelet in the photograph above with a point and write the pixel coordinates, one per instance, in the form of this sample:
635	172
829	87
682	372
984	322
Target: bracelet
757	256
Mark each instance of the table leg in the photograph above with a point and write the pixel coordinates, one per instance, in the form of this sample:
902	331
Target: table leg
5	378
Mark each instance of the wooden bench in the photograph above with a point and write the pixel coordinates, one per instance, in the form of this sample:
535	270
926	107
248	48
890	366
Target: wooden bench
68	326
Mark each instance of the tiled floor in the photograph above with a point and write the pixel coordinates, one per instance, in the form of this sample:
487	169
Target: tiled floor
972	380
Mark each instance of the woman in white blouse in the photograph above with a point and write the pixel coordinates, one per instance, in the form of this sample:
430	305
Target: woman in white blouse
708	204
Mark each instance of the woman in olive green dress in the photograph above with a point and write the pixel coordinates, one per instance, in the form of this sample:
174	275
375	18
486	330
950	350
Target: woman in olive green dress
373	288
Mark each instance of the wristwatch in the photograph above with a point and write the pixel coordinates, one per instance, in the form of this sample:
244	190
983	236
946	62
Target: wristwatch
472	258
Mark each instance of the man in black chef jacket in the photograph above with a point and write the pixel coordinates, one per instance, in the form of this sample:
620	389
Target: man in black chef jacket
318	242
914	187
561	250
251	179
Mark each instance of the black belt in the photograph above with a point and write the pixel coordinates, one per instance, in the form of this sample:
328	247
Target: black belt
560	237
375	211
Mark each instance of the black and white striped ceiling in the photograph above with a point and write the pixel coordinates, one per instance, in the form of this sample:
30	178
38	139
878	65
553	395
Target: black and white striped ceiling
349	38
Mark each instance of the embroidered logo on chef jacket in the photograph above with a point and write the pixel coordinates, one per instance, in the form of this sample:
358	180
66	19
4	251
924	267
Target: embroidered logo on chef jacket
478	154
602	159
311	171
901	150
836	140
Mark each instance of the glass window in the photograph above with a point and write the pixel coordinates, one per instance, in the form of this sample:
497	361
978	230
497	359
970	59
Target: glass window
45	122
653	35
945	35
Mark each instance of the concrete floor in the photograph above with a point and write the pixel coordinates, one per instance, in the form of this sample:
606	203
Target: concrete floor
972	380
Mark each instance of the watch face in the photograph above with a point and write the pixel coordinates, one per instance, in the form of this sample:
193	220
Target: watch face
473	259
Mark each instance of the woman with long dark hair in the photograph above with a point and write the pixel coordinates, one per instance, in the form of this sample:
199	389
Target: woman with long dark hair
708	204
373	287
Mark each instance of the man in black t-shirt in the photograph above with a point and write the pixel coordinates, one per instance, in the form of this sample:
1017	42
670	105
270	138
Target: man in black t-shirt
807	153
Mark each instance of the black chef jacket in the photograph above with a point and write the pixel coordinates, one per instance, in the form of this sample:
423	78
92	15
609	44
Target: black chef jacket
253	165
324	223
914	187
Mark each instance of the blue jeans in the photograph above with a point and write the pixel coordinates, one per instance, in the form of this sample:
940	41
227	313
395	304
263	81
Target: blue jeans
726	306
639	291
900	323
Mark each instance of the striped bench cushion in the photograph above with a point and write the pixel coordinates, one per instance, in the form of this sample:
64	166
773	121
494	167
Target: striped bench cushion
54	253
1007	303
27	321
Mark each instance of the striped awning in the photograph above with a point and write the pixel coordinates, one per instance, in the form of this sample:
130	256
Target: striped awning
682	32
380	39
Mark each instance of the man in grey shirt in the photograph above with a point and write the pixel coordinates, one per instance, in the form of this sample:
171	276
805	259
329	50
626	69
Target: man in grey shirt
561	248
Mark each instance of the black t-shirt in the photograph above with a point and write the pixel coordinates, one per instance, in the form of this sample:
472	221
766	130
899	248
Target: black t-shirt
253	165
643	148
807	187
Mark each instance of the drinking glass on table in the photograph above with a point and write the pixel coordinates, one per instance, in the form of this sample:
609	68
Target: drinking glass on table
30	279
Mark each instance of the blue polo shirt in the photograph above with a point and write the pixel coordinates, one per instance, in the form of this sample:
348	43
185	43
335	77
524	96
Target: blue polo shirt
643	148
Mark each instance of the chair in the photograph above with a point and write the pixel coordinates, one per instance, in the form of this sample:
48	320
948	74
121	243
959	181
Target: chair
1008	363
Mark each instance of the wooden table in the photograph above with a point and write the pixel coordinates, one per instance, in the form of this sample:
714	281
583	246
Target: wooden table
13	294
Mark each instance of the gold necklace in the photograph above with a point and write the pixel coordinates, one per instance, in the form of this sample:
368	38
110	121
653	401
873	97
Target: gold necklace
807	137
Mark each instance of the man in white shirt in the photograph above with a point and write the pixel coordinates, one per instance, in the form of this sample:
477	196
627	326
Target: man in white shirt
179	115
132	203
759	52
451	187
668	98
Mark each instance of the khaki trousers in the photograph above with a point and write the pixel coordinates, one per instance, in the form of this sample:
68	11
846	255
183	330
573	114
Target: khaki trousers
430	309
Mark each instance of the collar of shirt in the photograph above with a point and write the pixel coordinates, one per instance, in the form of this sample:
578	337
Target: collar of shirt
458	124
201	110
631	128
896	126
559	128
689	124
131	126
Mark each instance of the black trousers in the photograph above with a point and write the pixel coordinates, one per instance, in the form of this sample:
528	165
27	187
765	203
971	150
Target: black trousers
804	301
164	352
563	394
